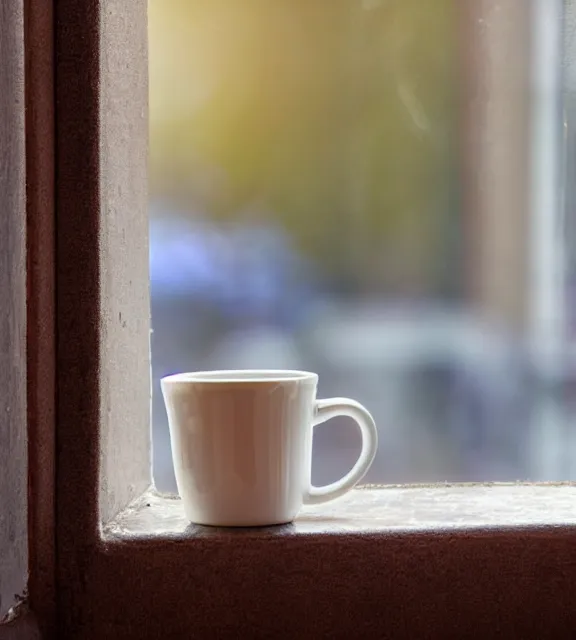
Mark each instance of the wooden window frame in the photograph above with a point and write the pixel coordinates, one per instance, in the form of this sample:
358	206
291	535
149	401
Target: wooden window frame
106	556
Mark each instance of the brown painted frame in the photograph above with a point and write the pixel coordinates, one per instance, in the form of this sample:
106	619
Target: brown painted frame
88	390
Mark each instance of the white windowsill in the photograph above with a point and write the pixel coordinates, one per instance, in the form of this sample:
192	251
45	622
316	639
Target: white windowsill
371	510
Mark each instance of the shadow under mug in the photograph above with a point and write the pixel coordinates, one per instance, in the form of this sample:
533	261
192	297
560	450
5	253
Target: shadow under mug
242	444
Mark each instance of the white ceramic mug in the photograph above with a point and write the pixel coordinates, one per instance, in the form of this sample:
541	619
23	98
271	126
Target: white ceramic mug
242	444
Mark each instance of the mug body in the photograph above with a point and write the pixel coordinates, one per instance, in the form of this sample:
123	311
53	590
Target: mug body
241	444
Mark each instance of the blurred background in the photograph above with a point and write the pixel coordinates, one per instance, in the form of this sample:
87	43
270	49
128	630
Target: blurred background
375	190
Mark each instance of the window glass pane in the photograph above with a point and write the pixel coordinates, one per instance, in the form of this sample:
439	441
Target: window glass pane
372	190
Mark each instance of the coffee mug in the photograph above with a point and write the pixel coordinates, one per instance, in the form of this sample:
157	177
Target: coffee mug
242	444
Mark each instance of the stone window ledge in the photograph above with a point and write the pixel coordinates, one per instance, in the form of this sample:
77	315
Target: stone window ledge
370	509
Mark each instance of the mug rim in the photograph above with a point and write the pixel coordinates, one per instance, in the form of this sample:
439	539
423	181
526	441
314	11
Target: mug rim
240	376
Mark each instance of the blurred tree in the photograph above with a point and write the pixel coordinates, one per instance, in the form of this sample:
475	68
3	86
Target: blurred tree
336	115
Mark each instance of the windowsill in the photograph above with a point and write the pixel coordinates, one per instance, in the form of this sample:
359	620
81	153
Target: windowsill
446	561
371	510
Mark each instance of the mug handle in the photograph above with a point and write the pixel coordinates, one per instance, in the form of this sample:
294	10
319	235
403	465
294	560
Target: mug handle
327	409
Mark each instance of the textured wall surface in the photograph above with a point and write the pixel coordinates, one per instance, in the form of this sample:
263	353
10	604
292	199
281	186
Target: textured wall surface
124	280
13	467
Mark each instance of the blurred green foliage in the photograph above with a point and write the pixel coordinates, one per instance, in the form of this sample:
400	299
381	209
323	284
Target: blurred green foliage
338	117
